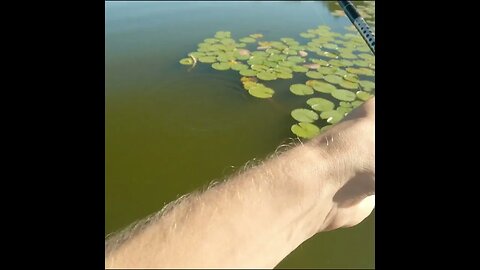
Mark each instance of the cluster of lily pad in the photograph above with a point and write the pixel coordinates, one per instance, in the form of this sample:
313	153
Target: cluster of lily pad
336	67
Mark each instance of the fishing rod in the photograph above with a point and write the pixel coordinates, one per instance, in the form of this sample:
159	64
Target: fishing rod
359	23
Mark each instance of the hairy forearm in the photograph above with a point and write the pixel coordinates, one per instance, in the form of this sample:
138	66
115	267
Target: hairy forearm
255	219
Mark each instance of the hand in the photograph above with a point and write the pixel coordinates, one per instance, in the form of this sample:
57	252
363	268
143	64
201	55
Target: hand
351	144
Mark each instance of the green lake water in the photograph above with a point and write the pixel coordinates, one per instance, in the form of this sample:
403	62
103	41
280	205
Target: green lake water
170	131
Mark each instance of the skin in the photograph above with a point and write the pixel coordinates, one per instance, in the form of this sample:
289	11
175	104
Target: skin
257	217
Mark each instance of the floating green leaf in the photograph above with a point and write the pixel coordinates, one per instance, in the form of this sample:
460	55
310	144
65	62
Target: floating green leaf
323	87
301	89
326	70
248	72
325	128
344	110
284	75
238	66
221	66
276	57
319	61
304	115
351	78
314	74
333	79
247	40
256	35
361	63
307	35
296	59
330	46
186	61
328	54
363	95
281	69
348	85
367	85
357	103
207	59
332	116
260	91
286	63
345	104
222	34
366	56
299	69
320	104
305	130
343	95
210	40
259	67
196	54
266	76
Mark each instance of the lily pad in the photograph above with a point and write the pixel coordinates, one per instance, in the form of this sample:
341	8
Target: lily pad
260	91
320	104
281	69
248	72
348	55
361	63
333	79
299	69
227	41
296	59
196	54
340	72
305	130
323	87
367	85
363	95
345	104
325	128
247	40
256	60
366	56
351	78
307	35
314	74
266	76
256	35
348	85
210	40
301	89
284	75
366	71
207	59
186	61
326	70
238	66
332	116
319	61
222	34
221	66
343	95
248	85
357	103
330	46
304	115
344	110
328	54
276	57
286	63
259	67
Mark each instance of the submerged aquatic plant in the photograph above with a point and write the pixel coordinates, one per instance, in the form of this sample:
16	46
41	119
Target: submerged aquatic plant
338	70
